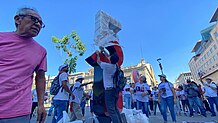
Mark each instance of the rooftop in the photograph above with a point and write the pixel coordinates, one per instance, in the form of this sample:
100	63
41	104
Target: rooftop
196	47
215	16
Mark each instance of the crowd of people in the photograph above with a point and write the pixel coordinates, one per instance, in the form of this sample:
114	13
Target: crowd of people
18	65
189	97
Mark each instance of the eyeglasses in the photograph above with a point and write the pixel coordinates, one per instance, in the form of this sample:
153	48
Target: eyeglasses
35	20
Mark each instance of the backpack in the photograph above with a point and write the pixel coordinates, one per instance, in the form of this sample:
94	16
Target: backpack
119	81
55	86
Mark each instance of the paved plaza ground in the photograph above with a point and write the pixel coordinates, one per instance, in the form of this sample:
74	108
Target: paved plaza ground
157	118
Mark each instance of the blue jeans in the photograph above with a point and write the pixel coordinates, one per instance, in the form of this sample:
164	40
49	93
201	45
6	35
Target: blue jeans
59	107
155	107
196	100
163	105
212	101
111	97
50	110
143	106
19	119
127	100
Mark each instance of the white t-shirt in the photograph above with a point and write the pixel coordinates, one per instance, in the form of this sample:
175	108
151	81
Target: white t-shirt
34	93
155	95
133	95
62	95
140	88
126	90
91	94
209	91
108	73
165	89
78	92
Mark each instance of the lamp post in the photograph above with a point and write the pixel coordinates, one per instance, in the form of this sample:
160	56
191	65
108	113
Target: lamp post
160	65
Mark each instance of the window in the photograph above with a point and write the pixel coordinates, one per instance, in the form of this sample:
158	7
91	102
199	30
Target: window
205	56
214	46
214	57
211	50
208	53
211	61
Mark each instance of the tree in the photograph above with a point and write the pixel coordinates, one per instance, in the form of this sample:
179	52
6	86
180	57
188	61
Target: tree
72	48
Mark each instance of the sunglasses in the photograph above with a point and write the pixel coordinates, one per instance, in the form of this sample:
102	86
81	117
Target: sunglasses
35	20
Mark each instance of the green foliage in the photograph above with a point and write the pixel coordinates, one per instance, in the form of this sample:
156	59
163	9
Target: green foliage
72	48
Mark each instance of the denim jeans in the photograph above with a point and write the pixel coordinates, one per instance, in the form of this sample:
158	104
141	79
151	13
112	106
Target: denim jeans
111	97
170	103
212	101
19	119
155	107
143	106
50	110
59	107
196	100
177	106
127	100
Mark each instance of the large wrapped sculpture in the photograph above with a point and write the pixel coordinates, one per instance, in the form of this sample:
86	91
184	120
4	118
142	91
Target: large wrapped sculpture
106	29
106	36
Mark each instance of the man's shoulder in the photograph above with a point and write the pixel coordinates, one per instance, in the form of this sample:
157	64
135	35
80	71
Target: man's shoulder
39	47
64	74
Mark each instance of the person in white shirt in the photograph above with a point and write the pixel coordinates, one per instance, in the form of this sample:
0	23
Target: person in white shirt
111	93
34	101
127	96
211	94
142	92
62	98
79	93
91	101
154	94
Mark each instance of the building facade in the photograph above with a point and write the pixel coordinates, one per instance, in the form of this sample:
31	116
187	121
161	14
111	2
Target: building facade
142	67
205	63
183	77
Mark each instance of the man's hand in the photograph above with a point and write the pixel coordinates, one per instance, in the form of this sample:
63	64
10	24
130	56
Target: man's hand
144	93
41	114
73	97
159	101
97	52
101	48
174	100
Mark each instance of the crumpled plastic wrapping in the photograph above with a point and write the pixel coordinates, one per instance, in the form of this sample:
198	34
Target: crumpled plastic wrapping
66	119
106	29
135	116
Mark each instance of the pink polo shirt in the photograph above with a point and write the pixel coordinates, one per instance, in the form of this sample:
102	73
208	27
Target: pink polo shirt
19	58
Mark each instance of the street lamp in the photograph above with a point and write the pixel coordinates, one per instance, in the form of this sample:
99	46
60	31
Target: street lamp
160	65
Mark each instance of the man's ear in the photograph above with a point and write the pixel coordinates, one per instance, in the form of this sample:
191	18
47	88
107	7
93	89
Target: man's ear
17	20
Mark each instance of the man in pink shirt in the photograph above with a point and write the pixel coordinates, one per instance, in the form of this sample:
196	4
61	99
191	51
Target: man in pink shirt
20	57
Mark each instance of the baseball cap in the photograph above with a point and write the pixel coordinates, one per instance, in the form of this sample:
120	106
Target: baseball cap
79	77
188	80
209	79
162	75
62	66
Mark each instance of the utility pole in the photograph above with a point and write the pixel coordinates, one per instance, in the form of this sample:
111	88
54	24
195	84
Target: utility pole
160	65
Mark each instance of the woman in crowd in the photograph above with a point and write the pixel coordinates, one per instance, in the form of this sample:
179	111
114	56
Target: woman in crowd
166	97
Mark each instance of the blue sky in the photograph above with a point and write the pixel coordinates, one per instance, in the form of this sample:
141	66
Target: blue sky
166	29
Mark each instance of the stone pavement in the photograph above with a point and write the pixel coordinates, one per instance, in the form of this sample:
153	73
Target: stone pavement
157	118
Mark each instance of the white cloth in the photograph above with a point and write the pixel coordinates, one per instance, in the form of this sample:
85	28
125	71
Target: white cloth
62	95
165	89
108	73
155	95
91	94
209	91
140	88
126	90
34	93
78	92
